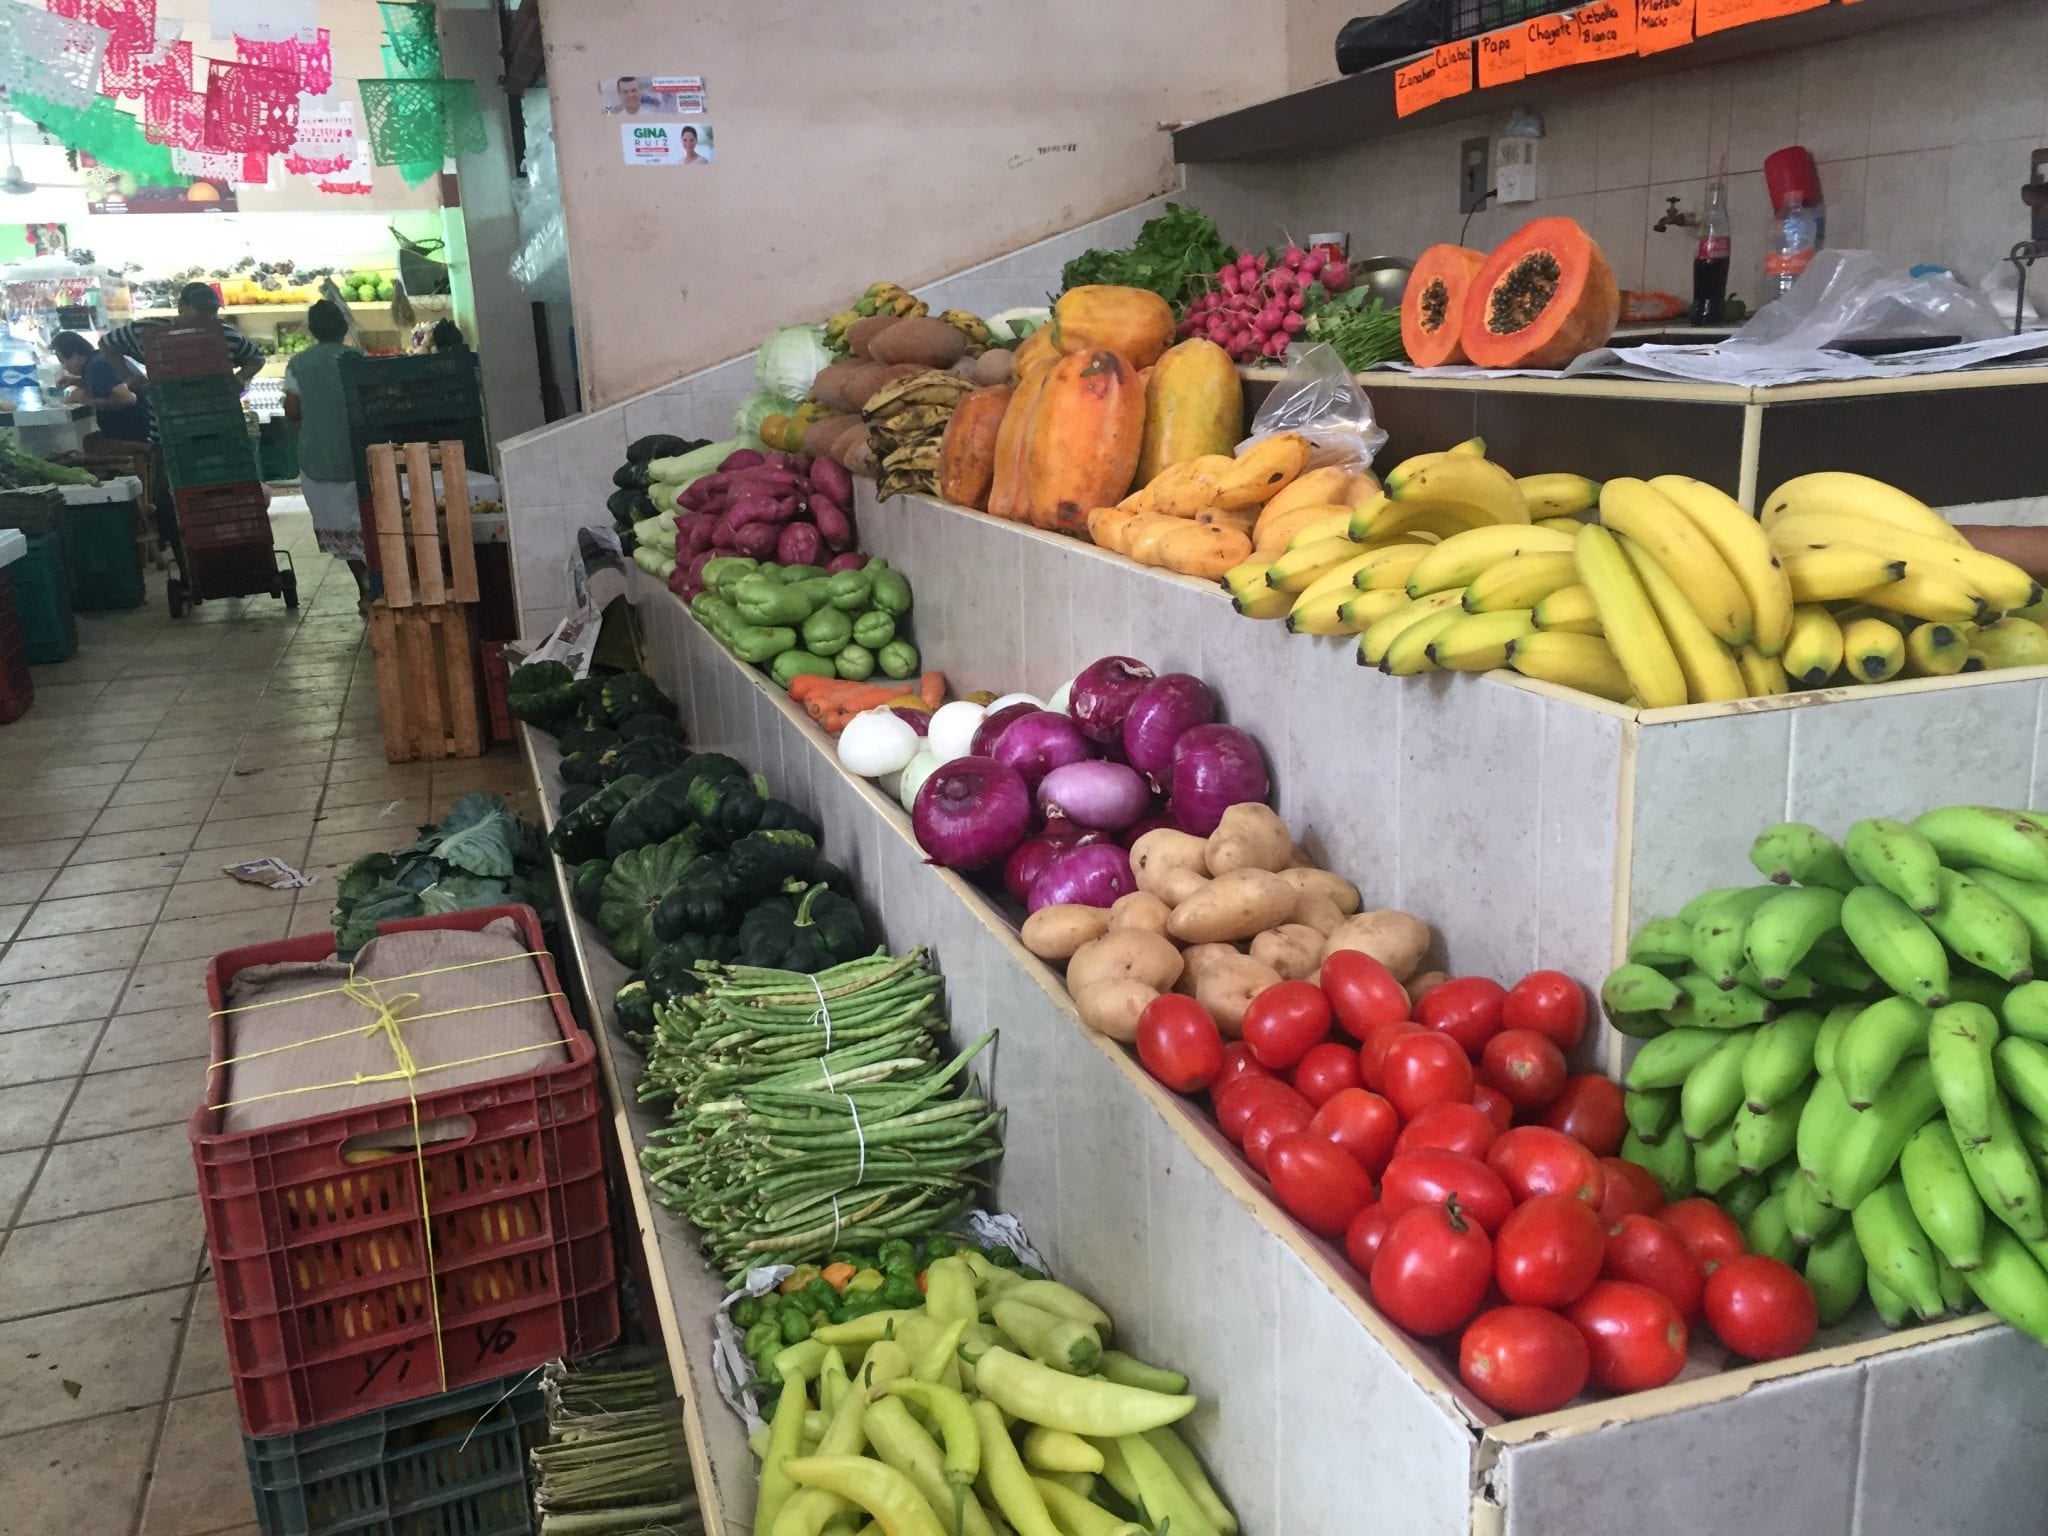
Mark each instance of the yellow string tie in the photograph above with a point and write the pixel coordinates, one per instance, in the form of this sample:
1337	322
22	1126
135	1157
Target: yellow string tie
387	1015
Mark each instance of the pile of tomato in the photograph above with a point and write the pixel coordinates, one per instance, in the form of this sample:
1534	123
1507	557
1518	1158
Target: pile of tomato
1473	1181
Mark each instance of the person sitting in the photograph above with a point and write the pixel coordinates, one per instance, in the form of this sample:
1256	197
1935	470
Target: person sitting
108	382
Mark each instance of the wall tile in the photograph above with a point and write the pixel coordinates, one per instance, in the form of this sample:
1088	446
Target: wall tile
1958	82
1623	155
1668	256
1834	98
1579	832
1704	789
1566	163
1104	1239
1970	752
1984	177
1761	114
1905	208
535	624
1679	108
1031	1035
527	473
1621	225
1340	753
1845	186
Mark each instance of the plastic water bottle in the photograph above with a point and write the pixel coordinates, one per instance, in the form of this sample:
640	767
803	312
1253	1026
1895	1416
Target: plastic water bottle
19	386
1795	236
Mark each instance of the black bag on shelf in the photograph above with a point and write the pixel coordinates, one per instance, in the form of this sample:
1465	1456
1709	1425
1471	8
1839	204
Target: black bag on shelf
1410	27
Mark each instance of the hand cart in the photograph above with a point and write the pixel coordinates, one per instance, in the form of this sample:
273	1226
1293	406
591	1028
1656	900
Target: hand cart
223	548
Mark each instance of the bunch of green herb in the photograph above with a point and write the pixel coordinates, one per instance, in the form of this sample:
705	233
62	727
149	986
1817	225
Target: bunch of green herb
480	855
1361	328
1173	255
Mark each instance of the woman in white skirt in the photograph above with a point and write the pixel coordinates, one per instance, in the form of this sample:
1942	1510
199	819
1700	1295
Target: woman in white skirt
327	470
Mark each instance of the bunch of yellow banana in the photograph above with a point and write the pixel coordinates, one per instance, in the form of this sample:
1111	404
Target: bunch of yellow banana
906	423
968	324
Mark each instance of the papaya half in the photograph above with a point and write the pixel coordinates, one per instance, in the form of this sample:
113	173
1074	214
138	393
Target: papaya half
1433	305
1545	296
1082	441
1194	405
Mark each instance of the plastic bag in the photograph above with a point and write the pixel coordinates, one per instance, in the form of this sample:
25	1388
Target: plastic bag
1858	296
1319	399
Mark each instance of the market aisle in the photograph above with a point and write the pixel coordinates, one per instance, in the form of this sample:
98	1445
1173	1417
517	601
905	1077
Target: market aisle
162	751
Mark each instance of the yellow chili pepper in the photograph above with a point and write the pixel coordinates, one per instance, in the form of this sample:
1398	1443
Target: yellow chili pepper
904	1444
1081	1405
1054	1450
879	1489
1008	1483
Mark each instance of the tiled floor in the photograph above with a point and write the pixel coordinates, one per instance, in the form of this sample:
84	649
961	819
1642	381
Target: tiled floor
162	751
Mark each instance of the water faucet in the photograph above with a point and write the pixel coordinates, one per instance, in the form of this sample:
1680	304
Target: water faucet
1673	219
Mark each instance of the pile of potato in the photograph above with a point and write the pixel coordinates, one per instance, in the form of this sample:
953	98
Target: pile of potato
1220	918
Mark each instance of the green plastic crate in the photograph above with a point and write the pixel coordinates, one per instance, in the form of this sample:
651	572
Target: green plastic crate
42	600
210	403
209	458
277	452
99	547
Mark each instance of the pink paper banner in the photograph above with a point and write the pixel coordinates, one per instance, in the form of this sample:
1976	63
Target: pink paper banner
250	109
308	59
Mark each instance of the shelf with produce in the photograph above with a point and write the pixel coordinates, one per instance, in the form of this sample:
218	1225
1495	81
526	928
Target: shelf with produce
684	1292
1433	1439
1360	107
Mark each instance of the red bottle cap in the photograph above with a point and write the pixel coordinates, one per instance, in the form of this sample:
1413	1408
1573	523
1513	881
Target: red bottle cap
1789	174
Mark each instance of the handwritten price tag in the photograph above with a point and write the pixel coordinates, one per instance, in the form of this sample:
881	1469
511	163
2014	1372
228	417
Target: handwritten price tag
1662	25
1415	86
1454	69
1720	15
1501	57
1552	43
1607	30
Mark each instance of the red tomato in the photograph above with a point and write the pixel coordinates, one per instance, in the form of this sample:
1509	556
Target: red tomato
1455	1127
1179	1043
1432	1269
1236	1104
1424	1069
1627	1189
1760	1307
1643	1249
1495	1104
1362	992
1708	1232
1284	1021
1362	1123
1317	1182
1550	1003
1237	1063
1431	1176
1589	1111
1269	1122
1372	1054
1362	1237
1467	1008
1535	1160
1325	1071
1525	1066
1635	1338
1523	1360
1549	1251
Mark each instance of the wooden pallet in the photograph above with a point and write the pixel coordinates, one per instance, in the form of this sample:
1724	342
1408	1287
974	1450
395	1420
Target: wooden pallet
419	569
420	628
426	682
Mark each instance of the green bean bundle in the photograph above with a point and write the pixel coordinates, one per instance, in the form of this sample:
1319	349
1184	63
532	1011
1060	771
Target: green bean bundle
814	1113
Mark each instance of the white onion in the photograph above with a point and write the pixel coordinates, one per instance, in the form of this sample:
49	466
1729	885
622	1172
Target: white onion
951	731
1058	702
1017	698
915	772
877	743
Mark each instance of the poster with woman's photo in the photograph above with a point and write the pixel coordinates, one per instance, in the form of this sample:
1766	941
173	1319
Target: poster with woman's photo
644	143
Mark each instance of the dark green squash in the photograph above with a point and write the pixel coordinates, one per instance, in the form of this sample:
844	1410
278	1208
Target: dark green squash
659	812
579	835
697	902
590	702
635	693
635	727
585	738
647	756
671	971
812	933
638	883
573	795
541	693
730	808
762	863
587	889
634	1008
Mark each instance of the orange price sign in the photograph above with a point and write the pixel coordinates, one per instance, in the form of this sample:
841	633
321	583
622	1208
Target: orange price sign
1720	15
1453	69
1662	24
1607	30
1415	86
1501	56
1551	42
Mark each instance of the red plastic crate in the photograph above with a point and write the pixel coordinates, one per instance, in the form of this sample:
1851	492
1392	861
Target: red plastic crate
180	349
17	686
322	1263
224	516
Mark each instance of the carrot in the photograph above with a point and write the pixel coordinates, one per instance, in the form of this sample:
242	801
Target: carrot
869	696
806	685
932	688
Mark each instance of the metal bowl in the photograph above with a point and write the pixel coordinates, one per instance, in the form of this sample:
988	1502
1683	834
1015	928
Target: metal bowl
1385	277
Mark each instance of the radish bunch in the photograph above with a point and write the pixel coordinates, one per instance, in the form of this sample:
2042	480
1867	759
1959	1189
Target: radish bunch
1257	303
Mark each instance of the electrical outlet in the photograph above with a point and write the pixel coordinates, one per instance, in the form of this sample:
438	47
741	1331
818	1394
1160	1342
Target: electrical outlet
1514	177
1475	159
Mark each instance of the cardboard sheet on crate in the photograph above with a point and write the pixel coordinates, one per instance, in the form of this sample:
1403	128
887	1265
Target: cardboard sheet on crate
291	1060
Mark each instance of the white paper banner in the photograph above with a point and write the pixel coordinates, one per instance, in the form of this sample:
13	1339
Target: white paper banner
327	137
271	20
355	178
205	165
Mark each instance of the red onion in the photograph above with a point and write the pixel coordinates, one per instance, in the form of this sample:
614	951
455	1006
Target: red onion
1102	695
970	813
1027	861
1038	742
1152	823
1166	707
920	719
992	725
1094	875
1105	796
1214	768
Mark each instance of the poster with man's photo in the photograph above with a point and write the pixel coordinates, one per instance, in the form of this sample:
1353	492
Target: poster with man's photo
651	95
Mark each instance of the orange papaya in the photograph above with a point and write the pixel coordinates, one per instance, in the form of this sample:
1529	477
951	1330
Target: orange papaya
1035	351
1082	448
1007	489
1545	296
1194	405
1134	323
967	453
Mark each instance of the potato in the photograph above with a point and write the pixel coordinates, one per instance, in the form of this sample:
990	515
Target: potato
1332	888
1393	938
1300	858
1250	836
1312	909
1227	989
1109	527
1145	536
1233	906
1054	933
1163	849
1141	910
1422	984
1112	1007
920	339
1295	950
1126	954
860	336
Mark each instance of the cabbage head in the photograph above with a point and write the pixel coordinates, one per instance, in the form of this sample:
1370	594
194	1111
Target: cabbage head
790	358
757	408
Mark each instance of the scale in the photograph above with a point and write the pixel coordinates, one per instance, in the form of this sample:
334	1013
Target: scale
2035	195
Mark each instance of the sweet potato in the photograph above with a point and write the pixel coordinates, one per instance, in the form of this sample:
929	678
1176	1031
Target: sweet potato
1250	836
921	339
1395	939
1294	950
995	366
830	386
860	336
824	432
1054	933
1112	1007
1141	910
1320	882
1125	954
1231	907
1227	988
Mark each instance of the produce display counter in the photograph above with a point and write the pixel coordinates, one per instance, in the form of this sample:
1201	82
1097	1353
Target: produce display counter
680	1290
1951	439
1133	1195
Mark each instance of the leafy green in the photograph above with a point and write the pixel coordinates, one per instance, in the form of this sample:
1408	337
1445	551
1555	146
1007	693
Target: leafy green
480	855
478	836
1171	256
1361	328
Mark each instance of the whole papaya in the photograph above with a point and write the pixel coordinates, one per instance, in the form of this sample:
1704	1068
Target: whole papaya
1194	405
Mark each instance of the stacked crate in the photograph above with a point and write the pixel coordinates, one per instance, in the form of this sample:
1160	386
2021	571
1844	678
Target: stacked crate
223	514
17	687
